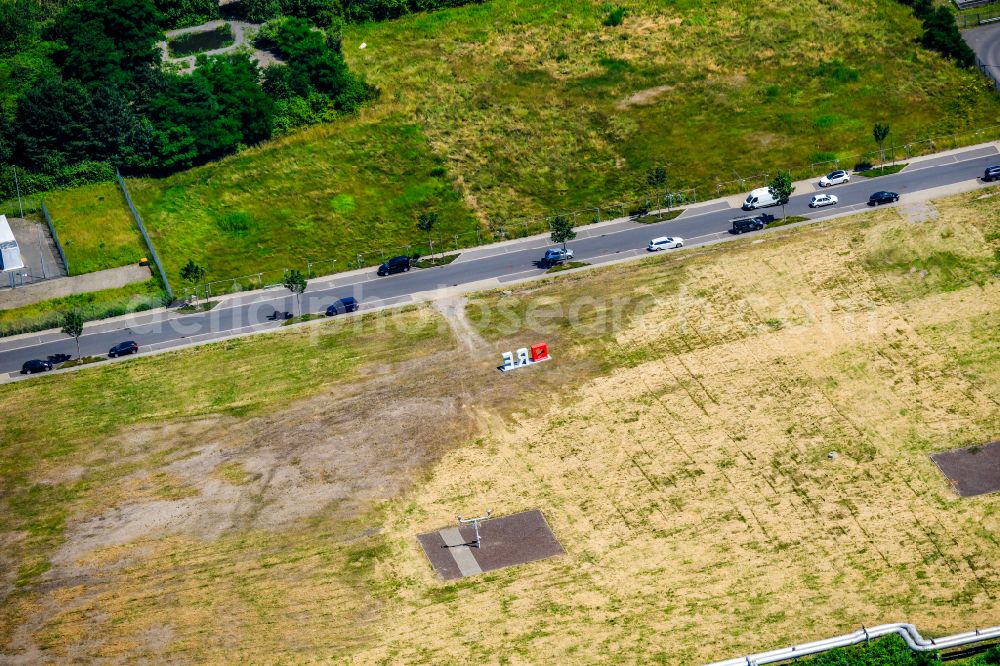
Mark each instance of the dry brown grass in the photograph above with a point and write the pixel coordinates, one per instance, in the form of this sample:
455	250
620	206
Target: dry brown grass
701	514
687	475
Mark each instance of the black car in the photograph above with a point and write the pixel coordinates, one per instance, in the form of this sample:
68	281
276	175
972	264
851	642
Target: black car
992	173
753	223
35	365
340	306
123	348
882	197
394	265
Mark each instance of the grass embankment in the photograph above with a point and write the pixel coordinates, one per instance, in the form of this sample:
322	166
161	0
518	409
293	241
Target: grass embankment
95	228
91	305
330	192
677	444
524	108
540	107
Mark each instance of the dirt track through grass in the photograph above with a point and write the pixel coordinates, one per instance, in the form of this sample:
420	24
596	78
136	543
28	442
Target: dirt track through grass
266	507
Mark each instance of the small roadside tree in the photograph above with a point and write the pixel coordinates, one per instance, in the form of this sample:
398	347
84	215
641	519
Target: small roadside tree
880	132
781	188
73	327
658	178
295	282
194	274
425	223
562	230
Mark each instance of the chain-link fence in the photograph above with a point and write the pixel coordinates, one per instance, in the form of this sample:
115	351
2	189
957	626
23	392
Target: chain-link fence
206	290
989	71
978	16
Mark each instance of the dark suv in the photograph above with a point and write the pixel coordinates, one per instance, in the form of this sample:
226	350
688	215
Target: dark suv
394	265
992	173
349	304
123	348
35	365
755	223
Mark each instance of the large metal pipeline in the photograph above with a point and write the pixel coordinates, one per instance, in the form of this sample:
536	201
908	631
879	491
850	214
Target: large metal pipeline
909	633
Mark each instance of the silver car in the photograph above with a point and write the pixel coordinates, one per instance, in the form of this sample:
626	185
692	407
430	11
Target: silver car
835	178
820	200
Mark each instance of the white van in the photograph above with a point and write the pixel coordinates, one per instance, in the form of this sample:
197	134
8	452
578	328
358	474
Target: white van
760	198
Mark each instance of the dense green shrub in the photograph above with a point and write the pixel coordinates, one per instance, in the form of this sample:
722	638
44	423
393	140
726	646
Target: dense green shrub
259	11
615	17
20	22
941	32
186	13
109	41
71	175
361	11
315	70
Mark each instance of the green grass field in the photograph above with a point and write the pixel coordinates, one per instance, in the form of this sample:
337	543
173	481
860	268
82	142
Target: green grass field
330	192
95	228
517	108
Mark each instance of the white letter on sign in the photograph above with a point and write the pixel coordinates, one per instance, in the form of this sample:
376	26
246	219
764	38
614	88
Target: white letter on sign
508	359
523	357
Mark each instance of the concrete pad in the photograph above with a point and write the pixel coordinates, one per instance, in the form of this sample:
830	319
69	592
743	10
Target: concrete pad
974	470
506	541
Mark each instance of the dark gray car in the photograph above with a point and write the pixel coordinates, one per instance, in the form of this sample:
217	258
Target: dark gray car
35	365
394	265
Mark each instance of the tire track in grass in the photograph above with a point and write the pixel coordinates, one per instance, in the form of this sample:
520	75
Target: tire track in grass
928	351
650	391
887	476
843	499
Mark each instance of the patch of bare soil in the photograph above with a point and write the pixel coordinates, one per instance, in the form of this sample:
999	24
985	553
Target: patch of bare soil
341	449
918	211
453	310
644	97
200	482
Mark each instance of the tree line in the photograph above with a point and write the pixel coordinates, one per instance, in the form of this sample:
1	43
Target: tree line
325	13
95	96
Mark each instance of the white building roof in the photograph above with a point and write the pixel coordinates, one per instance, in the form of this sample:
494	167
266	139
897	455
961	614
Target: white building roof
10	254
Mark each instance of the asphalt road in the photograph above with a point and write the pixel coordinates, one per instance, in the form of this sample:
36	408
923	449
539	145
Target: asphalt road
504	263
985	41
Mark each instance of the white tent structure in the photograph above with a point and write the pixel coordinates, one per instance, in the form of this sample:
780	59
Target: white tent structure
10	254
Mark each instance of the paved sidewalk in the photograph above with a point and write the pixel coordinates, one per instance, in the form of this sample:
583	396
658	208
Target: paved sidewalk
112	278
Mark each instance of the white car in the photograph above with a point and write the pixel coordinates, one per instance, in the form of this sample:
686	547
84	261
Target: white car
835	178
665	243
820	200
